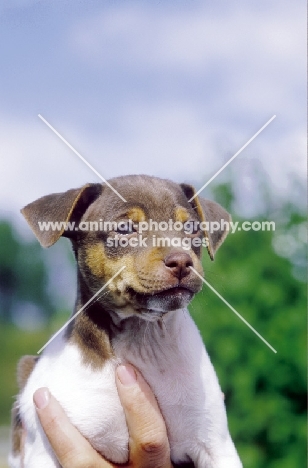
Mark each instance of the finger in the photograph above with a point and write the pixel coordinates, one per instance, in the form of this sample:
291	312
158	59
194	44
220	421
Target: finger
70	447
148	446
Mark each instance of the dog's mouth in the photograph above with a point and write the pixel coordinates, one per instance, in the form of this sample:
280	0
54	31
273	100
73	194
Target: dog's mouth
163	301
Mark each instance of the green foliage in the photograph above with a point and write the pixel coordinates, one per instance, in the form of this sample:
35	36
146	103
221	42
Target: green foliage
23	275
265	392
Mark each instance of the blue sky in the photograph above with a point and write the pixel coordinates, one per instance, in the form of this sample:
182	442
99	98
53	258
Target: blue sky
167	88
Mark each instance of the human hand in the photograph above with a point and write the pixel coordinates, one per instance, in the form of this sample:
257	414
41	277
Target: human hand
148	442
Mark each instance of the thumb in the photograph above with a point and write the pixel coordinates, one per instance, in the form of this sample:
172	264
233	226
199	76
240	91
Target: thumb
148	445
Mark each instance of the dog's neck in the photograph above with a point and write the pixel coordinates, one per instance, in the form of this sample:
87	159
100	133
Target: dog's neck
99	331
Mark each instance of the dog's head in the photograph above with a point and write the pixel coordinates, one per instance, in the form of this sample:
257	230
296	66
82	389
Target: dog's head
157	234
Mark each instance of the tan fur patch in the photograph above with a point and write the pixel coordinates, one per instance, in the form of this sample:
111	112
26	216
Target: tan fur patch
181	214
136	214
103	267
96	259
128	277
155	255
24	368
150	272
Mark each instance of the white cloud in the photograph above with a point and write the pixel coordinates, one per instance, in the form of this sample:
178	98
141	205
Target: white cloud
35	162
188	39
163	141
228	66
233	69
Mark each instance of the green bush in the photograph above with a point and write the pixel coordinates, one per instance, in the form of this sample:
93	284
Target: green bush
265	393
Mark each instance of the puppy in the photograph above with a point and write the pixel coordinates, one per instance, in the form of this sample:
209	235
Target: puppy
139	318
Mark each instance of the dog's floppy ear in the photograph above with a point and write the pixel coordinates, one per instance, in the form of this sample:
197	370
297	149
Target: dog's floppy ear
59	208
209	212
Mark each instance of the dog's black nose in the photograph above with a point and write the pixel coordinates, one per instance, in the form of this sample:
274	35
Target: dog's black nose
179	263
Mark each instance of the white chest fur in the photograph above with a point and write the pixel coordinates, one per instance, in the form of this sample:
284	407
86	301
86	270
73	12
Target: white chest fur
173	360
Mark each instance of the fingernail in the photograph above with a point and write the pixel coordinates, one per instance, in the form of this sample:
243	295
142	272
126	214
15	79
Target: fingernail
41	397
127	375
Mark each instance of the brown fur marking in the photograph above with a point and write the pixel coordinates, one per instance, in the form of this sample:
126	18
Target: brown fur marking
90	335
16	431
